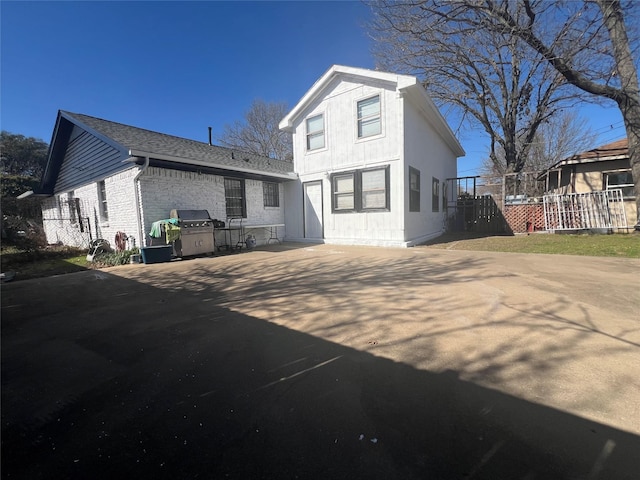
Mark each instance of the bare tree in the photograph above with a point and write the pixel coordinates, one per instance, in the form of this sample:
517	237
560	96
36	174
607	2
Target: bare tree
559	137
485	75
591	43
259	133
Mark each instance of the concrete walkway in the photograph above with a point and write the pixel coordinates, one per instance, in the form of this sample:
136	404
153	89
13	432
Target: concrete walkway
326	362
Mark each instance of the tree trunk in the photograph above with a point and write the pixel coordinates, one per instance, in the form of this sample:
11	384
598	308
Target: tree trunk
631	114
629	97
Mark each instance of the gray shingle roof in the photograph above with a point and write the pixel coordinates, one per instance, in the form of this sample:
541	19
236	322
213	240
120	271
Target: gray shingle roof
162	145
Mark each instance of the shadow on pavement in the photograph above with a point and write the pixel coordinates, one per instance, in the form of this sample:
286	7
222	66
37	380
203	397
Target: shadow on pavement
157	383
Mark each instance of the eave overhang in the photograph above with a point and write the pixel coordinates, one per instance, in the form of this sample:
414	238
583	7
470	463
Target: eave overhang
185	164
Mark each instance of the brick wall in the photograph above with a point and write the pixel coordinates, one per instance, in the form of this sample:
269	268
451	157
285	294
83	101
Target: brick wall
517	217
160	191
163	190
62	225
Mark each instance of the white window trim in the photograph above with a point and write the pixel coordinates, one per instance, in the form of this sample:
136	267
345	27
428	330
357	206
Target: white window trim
103	203
606	173
380	96
324	131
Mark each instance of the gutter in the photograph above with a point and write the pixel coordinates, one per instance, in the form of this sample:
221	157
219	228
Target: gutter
171	158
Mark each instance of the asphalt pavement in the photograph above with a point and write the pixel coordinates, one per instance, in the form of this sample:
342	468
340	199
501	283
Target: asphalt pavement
323	361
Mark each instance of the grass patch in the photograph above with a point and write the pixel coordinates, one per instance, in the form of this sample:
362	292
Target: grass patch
56	260
617	245
42	263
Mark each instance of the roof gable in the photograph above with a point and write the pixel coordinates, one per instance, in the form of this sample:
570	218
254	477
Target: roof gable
405	84
146	143
125	141
358	74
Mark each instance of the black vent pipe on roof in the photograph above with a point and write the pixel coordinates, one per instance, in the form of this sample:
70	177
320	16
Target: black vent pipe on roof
210	136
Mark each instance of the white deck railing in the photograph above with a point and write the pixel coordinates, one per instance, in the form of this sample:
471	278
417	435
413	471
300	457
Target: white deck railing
585	211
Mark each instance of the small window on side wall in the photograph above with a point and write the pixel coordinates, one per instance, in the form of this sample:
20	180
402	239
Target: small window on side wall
102	198
271	194
414	190
444	196
435	195
315	132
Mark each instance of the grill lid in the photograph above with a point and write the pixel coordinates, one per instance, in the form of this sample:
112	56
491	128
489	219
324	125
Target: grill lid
190	214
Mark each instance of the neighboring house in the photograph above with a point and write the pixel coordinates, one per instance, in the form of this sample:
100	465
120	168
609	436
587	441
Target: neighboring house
372	153
603	168
103	177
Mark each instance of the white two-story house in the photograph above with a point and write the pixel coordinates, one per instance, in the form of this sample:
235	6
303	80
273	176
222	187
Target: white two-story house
372	153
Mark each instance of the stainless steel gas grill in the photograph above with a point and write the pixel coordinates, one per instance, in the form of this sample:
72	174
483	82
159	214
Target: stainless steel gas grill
196	232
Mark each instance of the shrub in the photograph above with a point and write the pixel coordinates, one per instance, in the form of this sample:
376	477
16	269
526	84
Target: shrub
110	259
25	234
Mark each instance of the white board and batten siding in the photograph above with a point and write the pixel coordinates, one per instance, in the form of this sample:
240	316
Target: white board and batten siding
343	152
411	134
427	152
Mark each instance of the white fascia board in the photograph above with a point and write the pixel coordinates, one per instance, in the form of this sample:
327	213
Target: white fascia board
187	161
423	101
401	81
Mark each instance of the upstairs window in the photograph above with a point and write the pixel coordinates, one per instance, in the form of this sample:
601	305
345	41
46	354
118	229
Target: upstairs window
622	180
102	199
270	194
414	190
234	196
315	132
369	123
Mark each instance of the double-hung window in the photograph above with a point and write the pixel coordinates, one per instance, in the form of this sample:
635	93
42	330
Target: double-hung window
369	122
234	195
361	190
621	179
73	207
315	132
343	190
374	189
271	194
435	195
414	190
102	199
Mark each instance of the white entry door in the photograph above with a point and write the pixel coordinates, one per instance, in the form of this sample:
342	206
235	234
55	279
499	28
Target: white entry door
313	210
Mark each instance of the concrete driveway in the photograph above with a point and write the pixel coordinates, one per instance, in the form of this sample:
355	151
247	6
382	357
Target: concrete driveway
326	362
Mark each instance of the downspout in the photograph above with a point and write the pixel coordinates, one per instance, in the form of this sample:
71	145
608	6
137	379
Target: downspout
144	167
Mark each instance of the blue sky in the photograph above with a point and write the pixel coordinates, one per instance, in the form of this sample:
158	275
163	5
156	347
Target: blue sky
179	67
